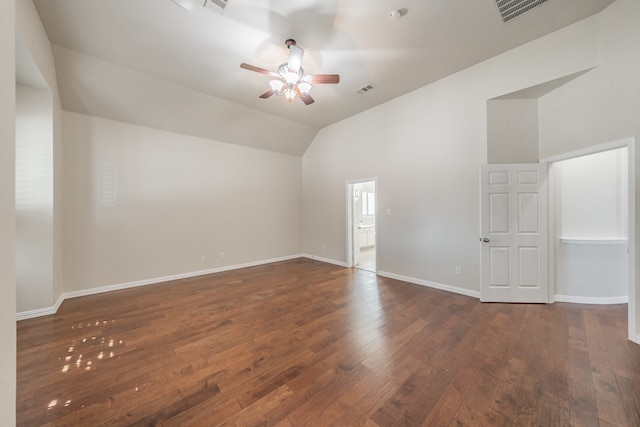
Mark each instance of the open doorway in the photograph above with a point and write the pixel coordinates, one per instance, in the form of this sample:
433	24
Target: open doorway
591	228
362	225
570	243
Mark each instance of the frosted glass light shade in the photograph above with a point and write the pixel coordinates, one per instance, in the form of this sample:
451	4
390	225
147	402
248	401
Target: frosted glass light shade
291	78
276	85
304	87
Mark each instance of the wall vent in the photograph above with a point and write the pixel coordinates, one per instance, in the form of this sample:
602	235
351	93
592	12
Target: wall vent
510	9
365	89
220	3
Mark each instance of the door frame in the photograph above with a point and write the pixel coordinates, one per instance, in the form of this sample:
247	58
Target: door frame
350	226
630	144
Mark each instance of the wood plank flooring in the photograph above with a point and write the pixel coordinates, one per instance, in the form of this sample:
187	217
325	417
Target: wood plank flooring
302	343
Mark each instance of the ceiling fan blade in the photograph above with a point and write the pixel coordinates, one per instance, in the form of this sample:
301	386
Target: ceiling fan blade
267	94
307	99
258	70
323	78
295	58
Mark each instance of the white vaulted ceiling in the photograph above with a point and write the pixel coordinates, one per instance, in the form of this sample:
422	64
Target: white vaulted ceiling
151	62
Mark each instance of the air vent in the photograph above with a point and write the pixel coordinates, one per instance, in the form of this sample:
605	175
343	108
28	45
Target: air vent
221	3
365	89
510	9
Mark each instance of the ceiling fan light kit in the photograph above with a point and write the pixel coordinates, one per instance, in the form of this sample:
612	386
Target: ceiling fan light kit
276	86
290	79
304	87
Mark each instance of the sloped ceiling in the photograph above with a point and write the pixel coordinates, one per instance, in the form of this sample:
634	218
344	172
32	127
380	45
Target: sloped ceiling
154	63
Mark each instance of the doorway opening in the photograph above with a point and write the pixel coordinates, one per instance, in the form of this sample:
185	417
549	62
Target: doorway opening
591	228
362	242
619	236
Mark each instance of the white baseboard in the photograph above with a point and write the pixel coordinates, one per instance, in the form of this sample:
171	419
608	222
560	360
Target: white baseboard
109	288
327	260
39	312
127	285
635	339
591	300
454	289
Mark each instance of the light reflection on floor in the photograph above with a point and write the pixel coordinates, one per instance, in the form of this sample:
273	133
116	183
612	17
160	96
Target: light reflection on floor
366	312
90	347
88	351
367	259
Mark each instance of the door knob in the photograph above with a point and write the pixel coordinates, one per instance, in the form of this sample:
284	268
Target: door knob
484	240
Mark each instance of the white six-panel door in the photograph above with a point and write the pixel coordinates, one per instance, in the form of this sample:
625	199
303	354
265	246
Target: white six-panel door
514	233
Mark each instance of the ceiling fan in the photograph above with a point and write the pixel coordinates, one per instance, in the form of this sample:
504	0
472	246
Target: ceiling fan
290	80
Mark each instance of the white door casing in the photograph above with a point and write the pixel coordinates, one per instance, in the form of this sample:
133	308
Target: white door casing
353	232
514	227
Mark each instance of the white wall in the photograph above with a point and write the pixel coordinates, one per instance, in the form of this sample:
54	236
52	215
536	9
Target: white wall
601	105
7	215
34	198
593	196
143	203
592	272
32	37
512	131
425	149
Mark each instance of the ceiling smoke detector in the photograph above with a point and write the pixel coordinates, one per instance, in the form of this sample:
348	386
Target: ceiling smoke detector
398	13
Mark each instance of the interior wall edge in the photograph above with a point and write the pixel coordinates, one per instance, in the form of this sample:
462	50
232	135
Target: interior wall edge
40	312
429	284
327	260
7	214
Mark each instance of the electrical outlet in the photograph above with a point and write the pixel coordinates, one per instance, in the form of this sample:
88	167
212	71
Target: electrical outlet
324	247
458	270
221	254
202	257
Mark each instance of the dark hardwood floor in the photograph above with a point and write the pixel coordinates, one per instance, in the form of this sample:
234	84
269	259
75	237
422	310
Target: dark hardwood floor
306	343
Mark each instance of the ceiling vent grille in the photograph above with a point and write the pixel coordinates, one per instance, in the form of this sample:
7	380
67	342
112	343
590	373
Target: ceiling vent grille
510	9
365	89
221	3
